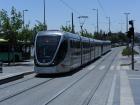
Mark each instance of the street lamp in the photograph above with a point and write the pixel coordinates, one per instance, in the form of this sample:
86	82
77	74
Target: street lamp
23	16
108	24
126	20
127	13
97	20
44	3
82	22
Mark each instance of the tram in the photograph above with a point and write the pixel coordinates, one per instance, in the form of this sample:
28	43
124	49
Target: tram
59	52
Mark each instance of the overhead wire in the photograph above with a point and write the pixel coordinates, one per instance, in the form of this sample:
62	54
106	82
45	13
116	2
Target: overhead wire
101	6
68	6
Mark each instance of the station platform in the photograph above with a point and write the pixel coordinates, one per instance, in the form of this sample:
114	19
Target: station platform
125	88
15	71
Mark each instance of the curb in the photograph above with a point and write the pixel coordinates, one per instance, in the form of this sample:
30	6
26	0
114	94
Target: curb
12	77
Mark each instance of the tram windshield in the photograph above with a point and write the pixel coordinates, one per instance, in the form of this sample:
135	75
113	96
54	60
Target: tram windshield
46	47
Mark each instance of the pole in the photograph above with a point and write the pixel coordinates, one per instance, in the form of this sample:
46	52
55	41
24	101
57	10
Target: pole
0	25
82	22
127	21
97	22
81	29
109	25
44	15
72	23
127	26
132	42
131	31
132	52
109	30
23	16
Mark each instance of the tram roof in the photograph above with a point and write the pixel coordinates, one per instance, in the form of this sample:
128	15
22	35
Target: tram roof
58	32
50	32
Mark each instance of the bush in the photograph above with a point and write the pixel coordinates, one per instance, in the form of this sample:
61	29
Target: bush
127	52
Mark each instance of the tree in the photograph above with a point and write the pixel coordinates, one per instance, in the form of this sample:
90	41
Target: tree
26	34
85	33
11	25
38	27
66	28
101	35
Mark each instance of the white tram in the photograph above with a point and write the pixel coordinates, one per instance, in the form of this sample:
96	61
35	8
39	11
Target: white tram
58	52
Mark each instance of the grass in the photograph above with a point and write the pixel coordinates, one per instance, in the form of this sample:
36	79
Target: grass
127	52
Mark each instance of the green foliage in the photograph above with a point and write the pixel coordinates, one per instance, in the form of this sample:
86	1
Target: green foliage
66	28
127	52
16	20
101	35
38	27
12	30
10	24
85	33
5	20
26	35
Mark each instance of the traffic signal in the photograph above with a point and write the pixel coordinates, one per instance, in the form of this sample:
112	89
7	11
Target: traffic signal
130	33
131	22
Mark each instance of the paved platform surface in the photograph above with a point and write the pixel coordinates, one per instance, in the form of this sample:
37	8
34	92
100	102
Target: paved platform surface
15	71
126	85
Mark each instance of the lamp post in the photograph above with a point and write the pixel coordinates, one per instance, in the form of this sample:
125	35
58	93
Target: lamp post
23	16
126	20
108	24
44	3
82	22
97	20
126	14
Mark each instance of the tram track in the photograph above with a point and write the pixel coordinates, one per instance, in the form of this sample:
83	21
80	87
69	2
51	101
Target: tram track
93	91
72	84
41	83
4	86
23	90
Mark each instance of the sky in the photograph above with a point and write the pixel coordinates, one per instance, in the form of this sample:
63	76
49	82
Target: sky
58	13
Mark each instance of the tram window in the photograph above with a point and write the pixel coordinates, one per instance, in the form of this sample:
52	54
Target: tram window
61	52
72	43
46	47
78	44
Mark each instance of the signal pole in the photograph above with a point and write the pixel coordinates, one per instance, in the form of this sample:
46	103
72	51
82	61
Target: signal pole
130	34
131	23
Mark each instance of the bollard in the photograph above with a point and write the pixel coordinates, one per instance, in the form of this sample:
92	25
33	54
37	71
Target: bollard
0	66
